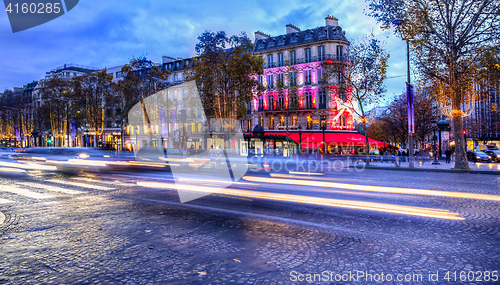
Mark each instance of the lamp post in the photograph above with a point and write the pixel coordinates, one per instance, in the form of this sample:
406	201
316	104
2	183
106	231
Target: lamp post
300	138
409	96
323	128
434	126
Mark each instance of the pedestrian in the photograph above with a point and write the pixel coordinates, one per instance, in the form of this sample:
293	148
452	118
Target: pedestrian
448	155
213	155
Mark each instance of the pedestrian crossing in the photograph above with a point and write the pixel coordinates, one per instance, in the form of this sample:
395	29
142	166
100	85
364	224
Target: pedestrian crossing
41	191
50	188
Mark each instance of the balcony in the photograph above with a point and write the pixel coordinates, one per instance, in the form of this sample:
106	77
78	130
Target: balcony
325	57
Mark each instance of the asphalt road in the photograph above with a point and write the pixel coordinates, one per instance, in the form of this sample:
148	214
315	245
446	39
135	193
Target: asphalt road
130	228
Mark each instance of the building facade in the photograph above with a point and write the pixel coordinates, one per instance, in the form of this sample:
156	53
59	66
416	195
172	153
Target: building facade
297	91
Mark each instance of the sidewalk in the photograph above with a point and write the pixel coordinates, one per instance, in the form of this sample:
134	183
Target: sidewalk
427	166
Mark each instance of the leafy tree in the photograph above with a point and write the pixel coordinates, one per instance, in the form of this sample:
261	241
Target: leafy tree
53	113
360	76
449	39
225	71
142	78
90	94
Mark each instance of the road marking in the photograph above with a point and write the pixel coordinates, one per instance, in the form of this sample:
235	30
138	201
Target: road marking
24	192
115	183
5	201
338	203
50	188
83	185
369	188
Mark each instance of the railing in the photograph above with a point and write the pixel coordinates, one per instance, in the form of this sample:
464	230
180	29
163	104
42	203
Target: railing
333	57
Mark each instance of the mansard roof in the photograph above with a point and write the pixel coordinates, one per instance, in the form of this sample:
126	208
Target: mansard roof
302	37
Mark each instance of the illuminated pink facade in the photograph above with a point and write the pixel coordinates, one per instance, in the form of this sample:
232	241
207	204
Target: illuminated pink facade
297	59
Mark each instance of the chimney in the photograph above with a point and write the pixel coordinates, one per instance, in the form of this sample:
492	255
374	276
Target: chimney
291	29
260	35
331	21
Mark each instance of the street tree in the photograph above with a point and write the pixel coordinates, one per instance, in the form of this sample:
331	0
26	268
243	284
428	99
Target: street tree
449	39
360	76
226	70
52	113
141	78
91	94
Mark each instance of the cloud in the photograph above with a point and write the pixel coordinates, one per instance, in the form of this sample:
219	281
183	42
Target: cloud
109	33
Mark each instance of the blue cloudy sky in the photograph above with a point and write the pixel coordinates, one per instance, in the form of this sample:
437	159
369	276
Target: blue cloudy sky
109	33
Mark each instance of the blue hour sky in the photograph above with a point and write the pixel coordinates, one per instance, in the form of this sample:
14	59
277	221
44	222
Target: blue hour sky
109	33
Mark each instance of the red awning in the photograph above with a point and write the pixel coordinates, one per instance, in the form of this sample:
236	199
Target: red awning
360	140
315	139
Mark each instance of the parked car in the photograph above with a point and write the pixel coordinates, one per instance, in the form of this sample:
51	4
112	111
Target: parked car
494	155
476	156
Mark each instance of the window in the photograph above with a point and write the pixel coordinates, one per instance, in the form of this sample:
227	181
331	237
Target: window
74	73
261	121
308	104
340	52
249	107
270	81
322	100
280	81
118	74
280	59
342	122
293	102
323	121
307	76
320	73
321	53
309	122
292	57
175	77
261	104
270	105
67	73
307	52
200	128
270	61
294	121
271	123
177	65
293	78
249	125
184	77
281	101
282	121
260	80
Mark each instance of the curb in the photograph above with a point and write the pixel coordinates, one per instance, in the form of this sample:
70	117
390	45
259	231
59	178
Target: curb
433	170
2	218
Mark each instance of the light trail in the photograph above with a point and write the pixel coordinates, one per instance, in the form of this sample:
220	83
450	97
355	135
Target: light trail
83	185
338	203
381	189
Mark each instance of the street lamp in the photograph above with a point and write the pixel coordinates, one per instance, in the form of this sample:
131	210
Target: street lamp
300	139
323	128
409	95
434	126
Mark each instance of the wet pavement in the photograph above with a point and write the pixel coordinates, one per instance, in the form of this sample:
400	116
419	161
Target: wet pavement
105	229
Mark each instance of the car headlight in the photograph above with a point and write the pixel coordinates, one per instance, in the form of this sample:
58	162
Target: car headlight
478	157
83	155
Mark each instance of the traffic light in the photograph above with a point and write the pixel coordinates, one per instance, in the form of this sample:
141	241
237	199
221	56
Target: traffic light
464	132
49	141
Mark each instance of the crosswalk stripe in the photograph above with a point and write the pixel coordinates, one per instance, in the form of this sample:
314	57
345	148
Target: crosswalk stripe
115	183
5	201
24	192
50	188
83	185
